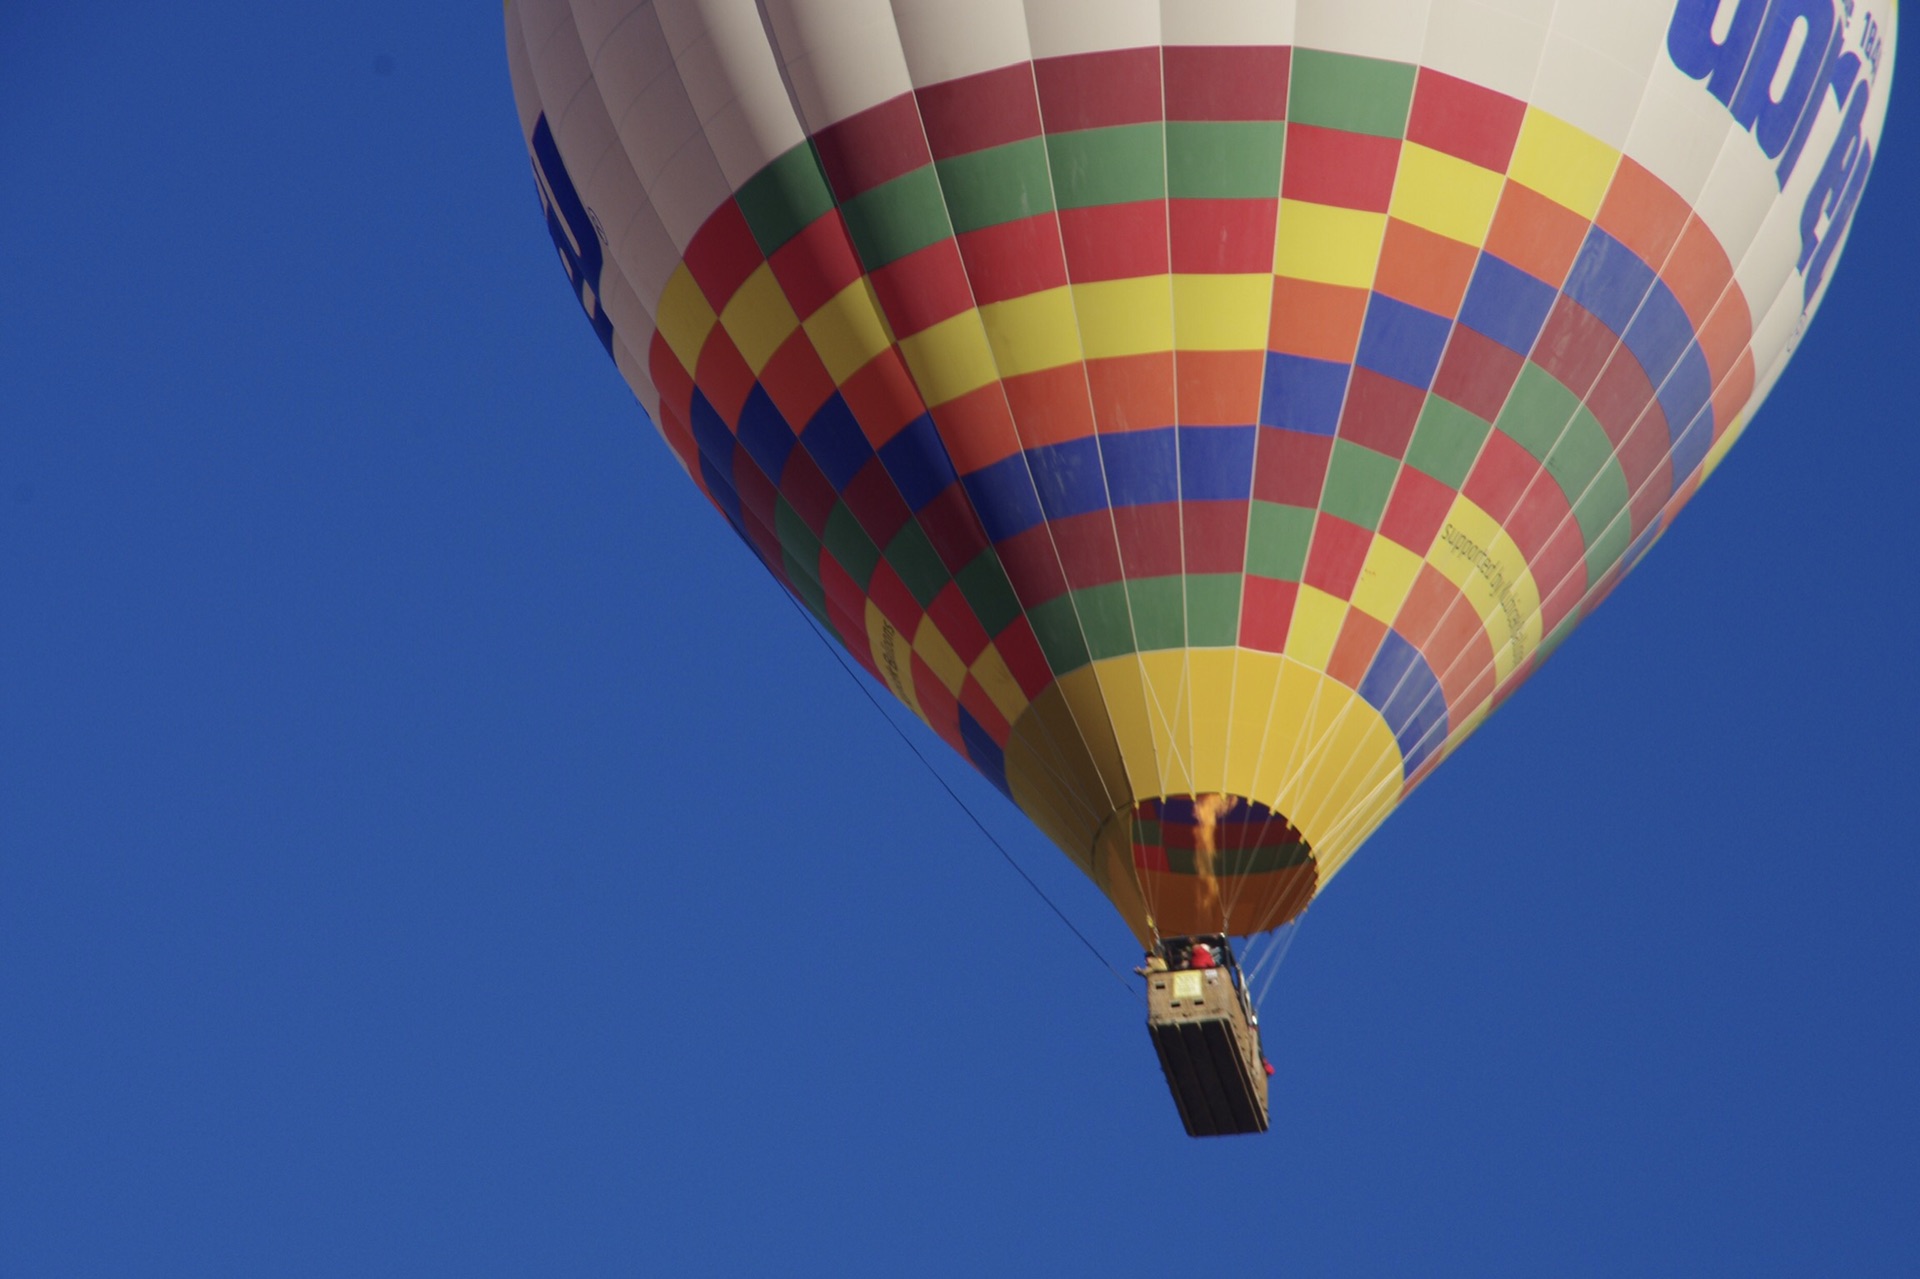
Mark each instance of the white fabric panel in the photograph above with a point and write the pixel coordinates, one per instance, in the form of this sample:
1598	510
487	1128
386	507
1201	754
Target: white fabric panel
526	99
1060	27
735	85
841	56
1680	132
1395	29
630	315
1227	22
1588	90
645	253
1478	42
945	41
1632	33
1738	194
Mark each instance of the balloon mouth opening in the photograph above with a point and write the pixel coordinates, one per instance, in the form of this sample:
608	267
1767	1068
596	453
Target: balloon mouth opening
1217	863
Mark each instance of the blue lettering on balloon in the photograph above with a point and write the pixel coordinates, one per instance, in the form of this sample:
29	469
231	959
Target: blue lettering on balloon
1749	57
1753	104
572	229
1835	194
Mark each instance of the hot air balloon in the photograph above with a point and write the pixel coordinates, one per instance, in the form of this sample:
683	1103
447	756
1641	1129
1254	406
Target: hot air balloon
1201	413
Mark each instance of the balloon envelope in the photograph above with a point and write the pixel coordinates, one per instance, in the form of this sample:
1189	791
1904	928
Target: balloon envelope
1201	414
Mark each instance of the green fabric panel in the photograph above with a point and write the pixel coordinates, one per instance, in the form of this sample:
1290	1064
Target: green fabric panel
896	218
1537	412
987	591
1146	830
785	197
1277	538
1261	859
1559	633
795	537
1180	861
1226	160
1057	627
1117	165
999	184
1603	522
918	564
1360	95
1579	456
1446	440
801	576
848	543
1104	618
1213	609
1159	612
1359	482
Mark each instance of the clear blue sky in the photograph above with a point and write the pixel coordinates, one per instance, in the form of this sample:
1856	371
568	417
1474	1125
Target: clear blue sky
430	845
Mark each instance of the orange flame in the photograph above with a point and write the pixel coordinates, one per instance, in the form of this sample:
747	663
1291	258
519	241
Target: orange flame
1207	811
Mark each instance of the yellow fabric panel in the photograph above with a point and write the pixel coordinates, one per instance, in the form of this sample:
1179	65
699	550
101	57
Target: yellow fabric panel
1124	317
684	319
1316	626
1446	195
1567	166
1095	716
1122	691
1287	729
1350	778
933	649
1164	672
1255	679
848	329
1112	871
1221	312
1031	333
950	358
1727	440
1078	772
758	318
1330	245
1055	780
1210	702
1475	554
892	655
1386	578
1002	689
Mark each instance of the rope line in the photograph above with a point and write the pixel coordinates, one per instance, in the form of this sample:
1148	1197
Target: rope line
813	625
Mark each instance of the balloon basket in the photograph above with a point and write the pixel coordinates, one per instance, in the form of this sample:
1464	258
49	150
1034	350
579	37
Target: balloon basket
1208	1040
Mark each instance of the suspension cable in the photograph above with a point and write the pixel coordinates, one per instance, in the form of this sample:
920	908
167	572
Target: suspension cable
813	625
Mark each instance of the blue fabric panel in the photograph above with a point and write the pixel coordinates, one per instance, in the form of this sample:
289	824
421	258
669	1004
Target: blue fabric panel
1690	445
1402	341
1069	477
1506	304
1003	496
1216	463
719	481
918	462
710	432
1302	394
1660	333
984	752
1142	468
1687	396
1401	686
836	442
1610	280
764	434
